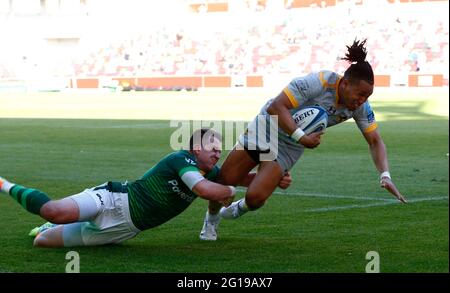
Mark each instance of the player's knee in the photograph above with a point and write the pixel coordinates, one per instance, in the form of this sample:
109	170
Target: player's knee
52	213
254	201
254	205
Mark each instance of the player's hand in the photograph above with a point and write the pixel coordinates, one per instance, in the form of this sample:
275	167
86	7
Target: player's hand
285	181
387	183
311	140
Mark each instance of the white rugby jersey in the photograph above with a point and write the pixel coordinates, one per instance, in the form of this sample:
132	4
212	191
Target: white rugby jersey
321	89
315	89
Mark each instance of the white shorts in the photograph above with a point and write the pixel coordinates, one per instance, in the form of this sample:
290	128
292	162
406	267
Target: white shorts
110	221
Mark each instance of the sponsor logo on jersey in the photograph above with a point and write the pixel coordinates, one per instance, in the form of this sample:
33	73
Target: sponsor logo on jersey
370	114
370	117
175	188
190	161
331	110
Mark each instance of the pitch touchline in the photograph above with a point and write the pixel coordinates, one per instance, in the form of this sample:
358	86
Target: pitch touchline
323	195
125	126
336	208
384	201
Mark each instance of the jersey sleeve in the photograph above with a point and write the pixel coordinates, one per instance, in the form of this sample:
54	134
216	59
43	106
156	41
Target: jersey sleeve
187	170
301	89
365	118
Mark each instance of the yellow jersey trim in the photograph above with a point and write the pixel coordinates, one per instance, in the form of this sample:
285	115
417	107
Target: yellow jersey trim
371	128
322	80
291	97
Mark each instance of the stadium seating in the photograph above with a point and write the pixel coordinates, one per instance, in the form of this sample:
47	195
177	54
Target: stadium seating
261	44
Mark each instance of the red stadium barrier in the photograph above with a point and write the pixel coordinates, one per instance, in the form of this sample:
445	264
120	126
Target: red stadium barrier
165	82
255	81
425	80
382	80
87	83
209	81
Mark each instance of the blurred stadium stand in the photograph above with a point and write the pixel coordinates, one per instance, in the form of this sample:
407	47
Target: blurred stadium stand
188	44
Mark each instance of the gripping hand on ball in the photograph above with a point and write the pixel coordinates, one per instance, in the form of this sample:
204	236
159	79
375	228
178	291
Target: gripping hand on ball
311	140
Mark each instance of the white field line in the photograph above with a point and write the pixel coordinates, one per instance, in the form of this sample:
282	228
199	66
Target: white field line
390	202
149	125
384	201
324	195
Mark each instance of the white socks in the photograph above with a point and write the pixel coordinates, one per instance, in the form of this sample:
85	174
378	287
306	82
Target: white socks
212	218
5	185
243	206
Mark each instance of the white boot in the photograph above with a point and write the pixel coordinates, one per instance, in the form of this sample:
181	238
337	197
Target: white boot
234	210
209	230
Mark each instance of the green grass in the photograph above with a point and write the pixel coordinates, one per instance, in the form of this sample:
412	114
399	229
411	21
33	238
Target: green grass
318	225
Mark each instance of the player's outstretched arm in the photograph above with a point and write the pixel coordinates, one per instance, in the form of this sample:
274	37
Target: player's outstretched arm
387	183
379	157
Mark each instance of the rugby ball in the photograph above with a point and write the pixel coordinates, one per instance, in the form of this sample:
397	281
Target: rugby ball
311	119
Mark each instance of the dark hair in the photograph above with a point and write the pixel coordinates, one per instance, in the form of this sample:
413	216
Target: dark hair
360	68
203	135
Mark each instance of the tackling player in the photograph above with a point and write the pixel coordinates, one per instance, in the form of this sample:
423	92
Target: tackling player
114	212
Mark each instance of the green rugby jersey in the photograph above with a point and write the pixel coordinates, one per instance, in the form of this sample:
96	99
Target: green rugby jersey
163	192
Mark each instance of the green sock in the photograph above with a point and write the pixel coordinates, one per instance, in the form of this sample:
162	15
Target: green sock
31	199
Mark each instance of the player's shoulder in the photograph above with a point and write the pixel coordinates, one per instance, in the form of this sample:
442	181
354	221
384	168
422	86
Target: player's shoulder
307	82
322	78
329	74
310	76
182	156
328	78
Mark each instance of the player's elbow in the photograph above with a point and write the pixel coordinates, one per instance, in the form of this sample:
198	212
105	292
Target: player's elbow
274	108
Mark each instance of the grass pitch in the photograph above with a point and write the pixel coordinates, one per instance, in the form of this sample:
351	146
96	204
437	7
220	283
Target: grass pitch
333	214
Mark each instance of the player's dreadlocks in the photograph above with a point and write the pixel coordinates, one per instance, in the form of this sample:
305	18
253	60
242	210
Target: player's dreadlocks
360	68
